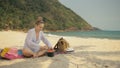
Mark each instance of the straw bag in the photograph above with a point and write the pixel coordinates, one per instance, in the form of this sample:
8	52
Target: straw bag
61	45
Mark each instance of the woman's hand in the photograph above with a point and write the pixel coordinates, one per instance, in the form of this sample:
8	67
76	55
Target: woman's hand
50	48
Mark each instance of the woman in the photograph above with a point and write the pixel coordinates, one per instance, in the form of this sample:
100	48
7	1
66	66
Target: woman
34	36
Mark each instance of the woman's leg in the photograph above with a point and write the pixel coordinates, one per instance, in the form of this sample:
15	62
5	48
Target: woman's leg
42	51
28	53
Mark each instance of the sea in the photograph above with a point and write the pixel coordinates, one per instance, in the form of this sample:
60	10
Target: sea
90	34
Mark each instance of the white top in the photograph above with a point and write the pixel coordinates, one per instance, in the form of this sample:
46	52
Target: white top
32	43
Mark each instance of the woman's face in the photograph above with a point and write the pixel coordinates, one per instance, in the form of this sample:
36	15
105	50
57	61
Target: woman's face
39	27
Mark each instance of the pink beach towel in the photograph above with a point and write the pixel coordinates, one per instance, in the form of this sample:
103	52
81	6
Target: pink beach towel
13	51
12	54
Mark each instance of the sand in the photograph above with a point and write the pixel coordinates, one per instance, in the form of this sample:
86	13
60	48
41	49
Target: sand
89	53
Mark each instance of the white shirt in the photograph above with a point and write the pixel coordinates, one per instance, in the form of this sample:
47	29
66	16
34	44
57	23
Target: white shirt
32	43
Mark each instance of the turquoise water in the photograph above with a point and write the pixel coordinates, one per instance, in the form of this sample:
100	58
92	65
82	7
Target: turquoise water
90	34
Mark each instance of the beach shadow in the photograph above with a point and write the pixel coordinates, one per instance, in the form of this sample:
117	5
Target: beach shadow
27	63
92	61
103	63
62	61
59	61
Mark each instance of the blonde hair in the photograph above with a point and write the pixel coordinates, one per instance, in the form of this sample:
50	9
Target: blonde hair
39	20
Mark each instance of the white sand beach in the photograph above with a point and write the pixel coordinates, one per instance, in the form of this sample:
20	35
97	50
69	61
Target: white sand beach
89	53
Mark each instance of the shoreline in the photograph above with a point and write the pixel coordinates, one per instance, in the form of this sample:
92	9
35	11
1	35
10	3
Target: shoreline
81	35
49	33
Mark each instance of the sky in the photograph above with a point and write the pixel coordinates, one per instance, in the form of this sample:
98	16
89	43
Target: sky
104	14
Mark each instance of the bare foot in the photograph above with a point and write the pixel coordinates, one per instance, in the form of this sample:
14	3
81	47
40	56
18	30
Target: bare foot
35	55
42	53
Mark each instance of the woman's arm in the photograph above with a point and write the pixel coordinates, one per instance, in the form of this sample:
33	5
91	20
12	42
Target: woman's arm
45	40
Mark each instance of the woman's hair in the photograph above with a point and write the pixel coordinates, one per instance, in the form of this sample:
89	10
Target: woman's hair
39	20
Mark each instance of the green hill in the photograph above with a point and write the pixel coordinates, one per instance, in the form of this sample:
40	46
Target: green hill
21	14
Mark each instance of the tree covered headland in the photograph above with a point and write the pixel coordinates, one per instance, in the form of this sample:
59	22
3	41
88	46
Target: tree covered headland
21	15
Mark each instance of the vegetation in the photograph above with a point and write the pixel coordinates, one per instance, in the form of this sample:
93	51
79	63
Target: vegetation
21	15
